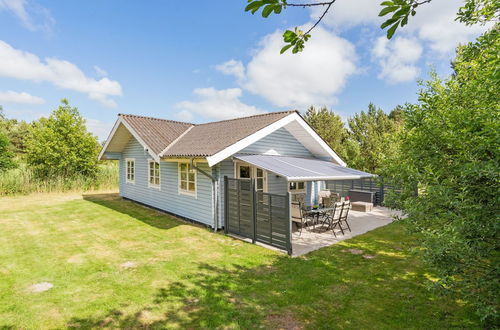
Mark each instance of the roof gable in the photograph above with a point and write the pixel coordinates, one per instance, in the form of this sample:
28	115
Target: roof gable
208	139
215	141
156	133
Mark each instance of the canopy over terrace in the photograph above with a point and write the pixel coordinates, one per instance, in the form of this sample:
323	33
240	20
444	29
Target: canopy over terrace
303	169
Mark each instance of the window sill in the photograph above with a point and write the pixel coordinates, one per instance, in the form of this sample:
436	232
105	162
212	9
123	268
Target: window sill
153	186
188	193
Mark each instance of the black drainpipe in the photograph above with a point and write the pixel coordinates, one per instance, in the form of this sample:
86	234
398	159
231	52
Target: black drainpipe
214	192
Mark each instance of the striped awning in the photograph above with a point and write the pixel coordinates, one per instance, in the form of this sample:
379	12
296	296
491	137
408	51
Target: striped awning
303	169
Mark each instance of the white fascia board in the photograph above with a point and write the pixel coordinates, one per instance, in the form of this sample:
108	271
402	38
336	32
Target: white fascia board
245	142
141	141
134	134
327	178
319	140
108	140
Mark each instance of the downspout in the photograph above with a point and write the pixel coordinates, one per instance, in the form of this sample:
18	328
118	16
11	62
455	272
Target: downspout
214	192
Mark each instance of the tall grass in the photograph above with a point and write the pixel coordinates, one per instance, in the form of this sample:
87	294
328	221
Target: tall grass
21	181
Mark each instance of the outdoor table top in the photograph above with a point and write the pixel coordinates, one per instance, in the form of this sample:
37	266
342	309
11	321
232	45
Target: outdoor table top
320	210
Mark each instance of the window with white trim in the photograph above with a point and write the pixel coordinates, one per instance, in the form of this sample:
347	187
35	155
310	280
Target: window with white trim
298	186
154	174
187	179
130	170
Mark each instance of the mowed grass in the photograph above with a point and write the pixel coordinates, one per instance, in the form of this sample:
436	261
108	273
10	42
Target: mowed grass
181	275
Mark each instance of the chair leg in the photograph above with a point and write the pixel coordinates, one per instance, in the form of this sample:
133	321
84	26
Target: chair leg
347	223
334	224
340	226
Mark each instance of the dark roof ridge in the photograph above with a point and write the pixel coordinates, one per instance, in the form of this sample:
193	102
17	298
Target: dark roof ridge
155	118
252	116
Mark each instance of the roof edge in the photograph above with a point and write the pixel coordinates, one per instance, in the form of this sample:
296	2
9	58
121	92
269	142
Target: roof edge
122	121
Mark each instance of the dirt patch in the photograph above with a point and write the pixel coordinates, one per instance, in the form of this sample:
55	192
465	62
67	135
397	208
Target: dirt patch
368	256
40	287
128	265
76	259
283	321
353	251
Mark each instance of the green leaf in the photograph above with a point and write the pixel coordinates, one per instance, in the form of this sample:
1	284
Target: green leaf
401	12
277	9
387	3
391	31
267	10
285	48
289	36
387	10
390	21
404	21
254	5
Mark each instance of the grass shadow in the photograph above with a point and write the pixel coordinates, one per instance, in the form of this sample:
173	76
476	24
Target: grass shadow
148	215
328	288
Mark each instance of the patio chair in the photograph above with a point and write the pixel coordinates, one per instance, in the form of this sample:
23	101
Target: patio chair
346	206
299	216
333	218
338	216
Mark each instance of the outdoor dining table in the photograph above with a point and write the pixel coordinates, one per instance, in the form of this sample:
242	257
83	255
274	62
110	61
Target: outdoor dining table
317	212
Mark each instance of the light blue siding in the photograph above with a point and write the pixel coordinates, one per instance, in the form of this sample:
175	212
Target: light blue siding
167	198
276	184
280	142
201	208
225	168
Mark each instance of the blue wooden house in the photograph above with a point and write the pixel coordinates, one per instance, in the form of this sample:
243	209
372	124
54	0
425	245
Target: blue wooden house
179	167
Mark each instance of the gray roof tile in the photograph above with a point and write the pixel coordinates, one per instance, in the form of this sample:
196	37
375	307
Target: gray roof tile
179	139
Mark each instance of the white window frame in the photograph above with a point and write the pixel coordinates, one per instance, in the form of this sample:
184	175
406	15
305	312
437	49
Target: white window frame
153	185
297	190
253	173
127	160
184	191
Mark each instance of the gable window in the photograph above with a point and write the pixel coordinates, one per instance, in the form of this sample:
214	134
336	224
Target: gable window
244	171
295	187
130	170
187	179
154	174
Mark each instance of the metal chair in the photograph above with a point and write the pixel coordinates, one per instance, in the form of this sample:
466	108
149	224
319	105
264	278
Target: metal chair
299	215
346	206
337	216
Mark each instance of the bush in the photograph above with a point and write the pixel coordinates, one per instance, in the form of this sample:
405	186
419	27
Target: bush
60	146
451	147
6	156
22	180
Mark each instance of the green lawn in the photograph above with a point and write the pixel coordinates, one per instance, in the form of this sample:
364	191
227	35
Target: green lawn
184	276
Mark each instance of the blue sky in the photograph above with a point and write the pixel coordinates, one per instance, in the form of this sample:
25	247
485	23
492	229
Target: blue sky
209	60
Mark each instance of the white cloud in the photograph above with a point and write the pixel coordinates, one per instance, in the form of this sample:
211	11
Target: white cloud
397	58
216	104
22	65
350	13
232	67
19	98
32	16
99	128
434	23
100	72
314	76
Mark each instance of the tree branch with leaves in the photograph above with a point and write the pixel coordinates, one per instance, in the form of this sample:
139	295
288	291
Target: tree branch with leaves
473	11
